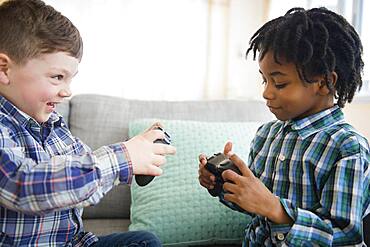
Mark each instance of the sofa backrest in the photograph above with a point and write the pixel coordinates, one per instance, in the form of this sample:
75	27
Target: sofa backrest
100	120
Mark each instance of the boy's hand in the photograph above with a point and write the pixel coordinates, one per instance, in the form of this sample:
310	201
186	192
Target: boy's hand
147	156
206	179
154	126
249	192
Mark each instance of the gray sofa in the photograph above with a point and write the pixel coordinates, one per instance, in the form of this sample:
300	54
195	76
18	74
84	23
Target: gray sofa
100	120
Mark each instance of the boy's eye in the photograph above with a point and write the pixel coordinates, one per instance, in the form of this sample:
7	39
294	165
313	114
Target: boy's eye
280	86
58	77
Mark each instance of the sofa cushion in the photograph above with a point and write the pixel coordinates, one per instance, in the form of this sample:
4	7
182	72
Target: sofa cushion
63	109
102	227
115	205
174	205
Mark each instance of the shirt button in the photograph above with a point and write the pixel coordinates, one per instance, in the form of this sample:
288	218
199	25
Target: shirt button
280	236
281	157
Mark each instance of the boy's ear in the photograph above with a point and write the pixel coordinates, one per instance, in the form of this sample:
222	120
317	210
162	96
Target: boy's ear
334	78
323	87
4	67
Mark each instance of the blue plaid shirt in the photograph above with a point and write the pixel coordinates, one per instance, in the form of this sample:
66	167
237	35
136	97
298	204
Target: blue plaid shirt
319	167
47	176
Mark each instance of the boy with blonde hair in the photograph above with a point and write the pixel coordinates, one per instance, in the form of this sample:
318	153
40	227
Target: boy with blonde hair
46	174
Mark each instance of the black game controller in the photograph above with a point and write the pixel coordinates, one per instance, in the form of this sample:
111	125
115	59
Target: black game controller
217	164
143	180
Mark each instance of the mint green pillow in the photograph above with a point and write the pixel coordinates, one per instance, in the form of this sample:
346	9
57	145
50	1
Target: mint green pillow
174	205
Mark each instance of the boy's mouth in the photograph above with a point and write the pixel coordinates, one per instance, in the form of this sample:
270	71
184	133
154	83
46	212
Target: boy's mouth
52	104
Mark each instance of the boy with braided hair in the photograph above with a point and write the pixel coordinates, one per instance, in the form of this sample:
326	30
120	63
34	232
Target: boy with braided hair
307	179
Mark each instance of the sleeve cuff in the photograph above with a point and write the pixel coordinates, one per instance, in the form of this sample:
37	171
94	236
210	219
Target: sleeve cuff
125	172
289	208
279	232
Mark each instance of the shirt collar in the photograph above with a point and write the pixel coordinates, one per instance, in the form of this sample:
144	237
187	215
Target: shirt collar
21	117
317	122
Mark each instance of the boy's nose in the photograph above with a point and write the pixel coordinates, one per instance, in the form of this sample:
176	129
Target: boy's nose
267	91
65	92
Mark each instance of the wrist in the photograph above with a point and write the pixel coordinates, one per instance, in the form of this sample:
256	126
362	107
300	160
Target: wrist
278	214
127	156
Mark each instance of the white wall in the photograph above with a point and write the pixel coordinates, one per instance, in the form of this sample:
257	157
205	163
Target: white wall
358	114
246	18
165	49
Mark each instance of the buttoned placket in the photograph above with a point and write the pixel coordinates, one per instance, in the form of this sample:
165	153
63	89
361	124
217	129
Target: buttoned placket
280	157
279	237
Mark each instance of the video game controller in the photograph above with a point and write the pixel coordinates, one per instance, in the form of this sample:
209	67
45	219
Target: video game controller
143	180
217	164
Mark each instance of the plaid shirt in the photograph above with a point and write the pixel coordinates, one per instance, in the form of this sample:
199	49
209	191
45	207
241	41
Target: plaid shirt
47	176
319	167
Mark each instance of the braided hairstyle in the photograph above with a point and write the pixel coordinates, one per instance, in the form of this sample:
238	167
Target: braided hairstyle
318	41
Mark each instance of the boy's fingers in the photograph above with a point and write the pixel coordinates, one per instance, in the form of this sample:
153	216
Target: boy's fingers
240	164
230	187
154	126
154	171
206	178
230	197
228	147
229	175
206	184
154	134
206	175
163	149
202	159
236	160
159	160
